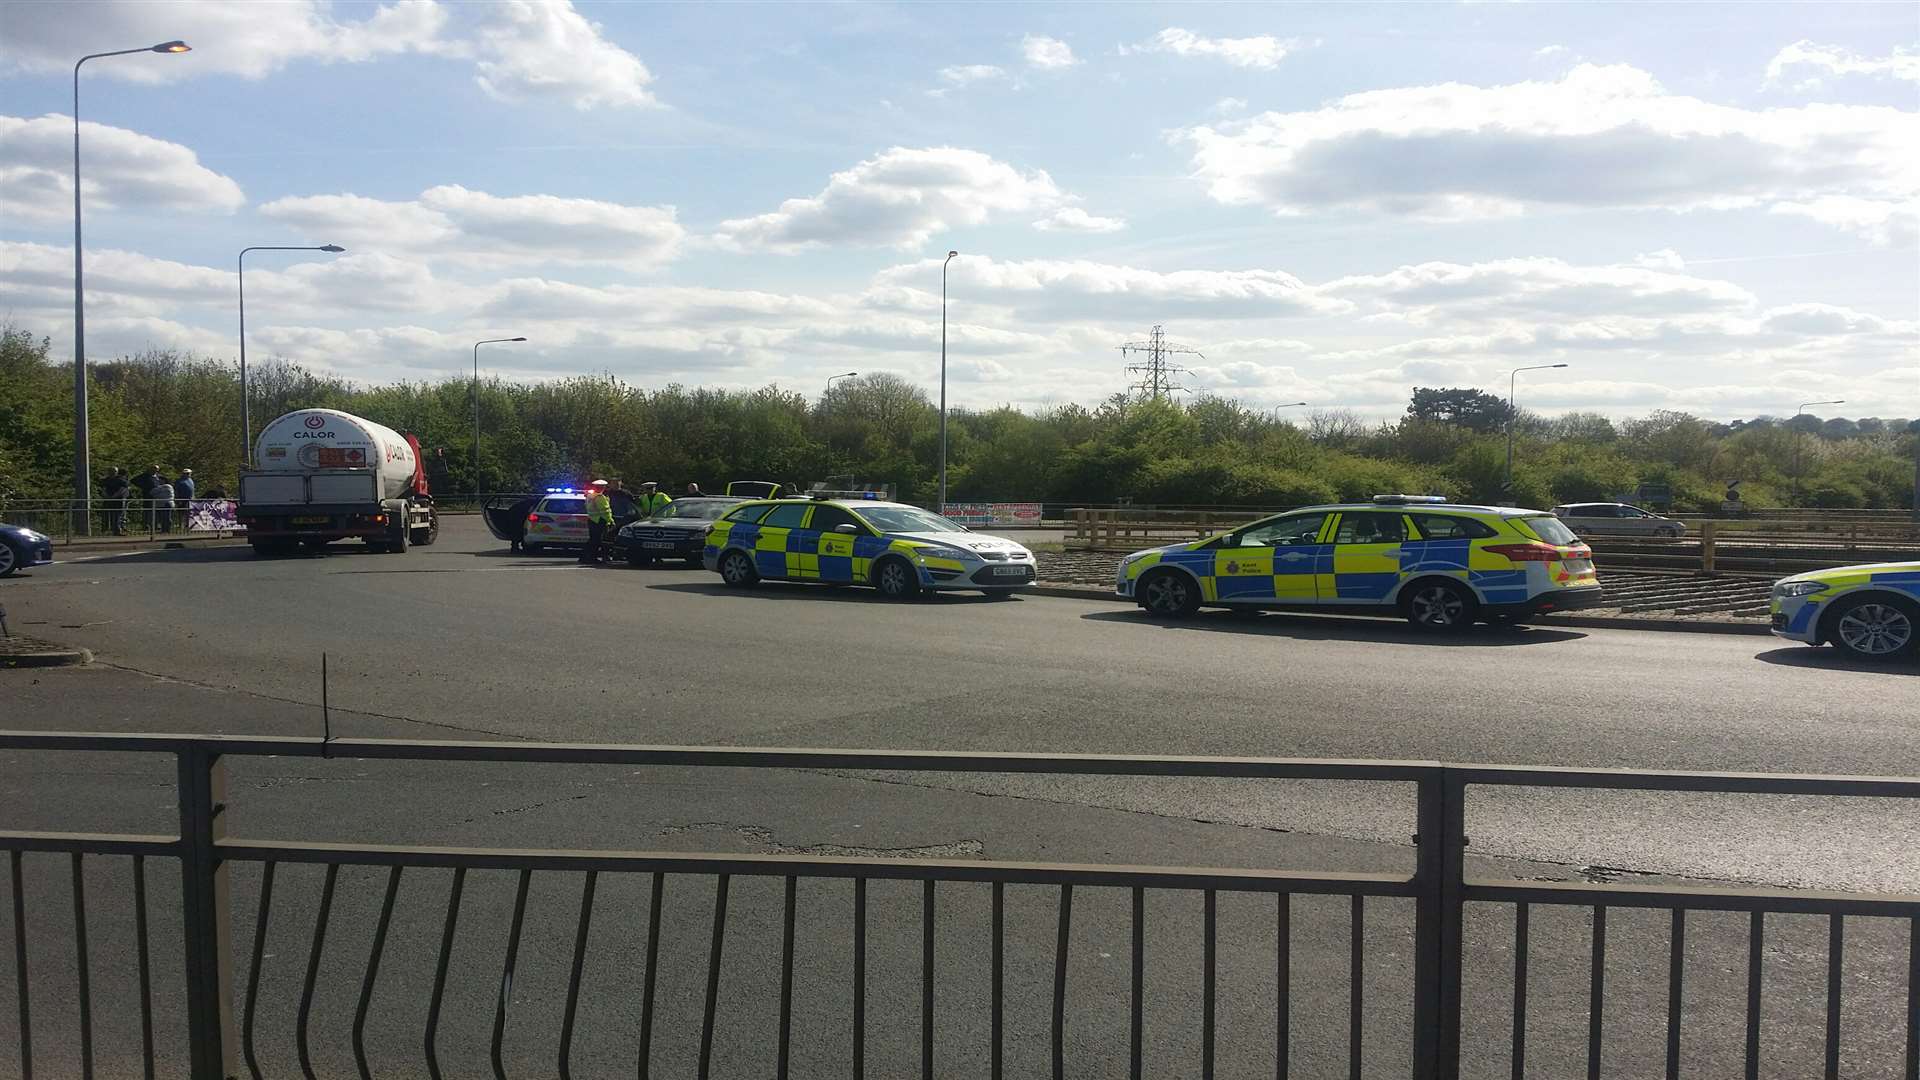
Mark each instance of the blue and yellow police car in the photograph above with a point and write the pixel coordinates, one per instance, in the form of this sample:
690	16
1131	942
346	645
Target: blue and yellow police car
1869	612
1439	564
900	550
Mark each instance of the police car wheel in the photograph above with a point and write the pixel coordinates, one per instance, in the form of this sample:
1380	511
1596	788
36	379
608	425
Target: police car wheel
895	579
737	570
1438	605
9	562
1874	628
1168	594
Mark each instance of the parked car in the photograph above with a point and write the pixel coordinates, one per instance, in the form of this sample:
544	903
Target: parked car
1868	612
21	546
677	532
1617	519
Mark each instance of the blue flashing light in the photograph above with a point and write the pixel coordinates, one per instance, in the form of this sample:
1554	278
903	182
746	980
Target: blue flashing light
870	495
561	491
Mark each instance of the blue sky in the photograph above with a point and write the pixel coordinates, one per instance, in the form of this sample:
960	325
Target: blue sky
1709	207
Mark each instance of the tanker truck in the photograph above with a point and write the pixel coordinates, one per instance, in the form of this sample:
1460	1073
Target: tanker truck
321	475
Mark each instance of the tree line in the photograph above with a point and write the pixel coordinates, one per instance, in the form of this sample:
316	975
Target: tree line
179	410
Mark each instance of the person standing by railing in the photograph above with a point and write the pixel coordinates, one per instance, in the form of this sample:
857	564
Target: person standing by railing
162	506
113	493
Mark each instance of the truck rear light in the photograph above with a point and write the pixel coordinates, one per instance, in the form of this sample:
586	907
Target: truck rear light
379	519
1526	552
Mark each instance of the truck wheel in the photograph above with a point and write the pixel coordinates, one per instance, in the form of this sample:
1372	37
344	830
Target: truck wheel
428	533
896	579
737	570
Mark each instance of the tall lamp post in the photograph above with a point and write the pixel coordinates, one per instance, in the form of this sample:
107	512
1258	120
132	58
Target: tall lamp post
1799	436
246	400
1512	379
82	450
476	406
843	375
951	255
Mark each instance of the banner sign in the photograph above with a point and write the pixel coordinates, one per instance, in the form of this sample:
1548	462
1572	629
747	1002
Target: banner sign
212	515
994	513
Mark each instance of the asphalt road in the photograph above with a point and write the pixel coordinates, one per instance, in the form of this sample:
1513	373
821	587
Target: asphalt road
463	640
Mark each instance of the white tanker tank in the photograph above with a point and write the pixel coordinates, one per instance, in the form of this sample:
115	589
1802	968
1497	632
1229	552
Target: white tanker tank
320	475
330	439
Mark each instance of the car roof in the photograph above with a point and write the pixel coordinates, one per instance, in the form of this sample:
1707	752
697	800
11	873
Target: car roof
1425	508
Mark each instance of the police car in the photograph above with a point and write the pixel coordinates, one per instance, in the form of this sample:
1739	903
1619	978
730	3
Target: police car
1439	564
559	519
1869	612
898	549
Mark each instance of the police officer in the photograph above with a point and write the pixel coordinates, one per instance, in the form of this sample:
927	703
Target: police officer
651	499
599	519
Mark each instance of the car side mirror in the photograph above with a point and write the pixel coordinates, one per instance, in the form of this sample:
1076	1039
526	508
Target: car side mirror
850	530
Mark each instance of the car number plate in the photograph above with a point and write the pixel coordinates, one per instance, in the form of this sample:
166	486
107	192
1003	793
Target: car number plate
310	520
666	544
1010	571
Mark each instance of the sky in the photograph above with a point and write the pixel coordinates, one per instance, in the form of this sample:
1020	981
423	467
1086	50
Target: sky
1706	207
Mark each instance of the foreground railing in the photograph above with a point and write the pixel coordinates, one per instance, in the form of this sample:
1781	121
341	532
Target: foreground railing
1430	1017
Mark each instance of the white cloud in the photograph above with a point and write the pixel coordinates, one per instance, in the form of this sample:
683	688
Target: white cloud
1902	63
1227	106
1597	136
1664	259
1074	219
251	40
535	49
1540	287
119	169
963	74
1046	288
1548	52
901	198
1264	52
493	229
1047	54
1885	222
522	49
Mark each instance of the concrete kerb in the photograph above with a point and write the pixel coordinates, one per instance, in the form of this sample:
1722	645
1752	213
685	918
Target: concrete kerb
1590	622
29	652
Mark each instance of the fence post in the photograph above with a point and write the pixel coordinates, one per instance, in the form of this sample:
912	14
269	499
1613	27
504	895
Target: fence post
212	1041
1439	910
1707	530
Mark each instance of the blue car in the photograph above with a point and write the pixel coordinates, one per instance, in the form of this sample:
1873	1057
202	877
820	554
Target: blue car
21	546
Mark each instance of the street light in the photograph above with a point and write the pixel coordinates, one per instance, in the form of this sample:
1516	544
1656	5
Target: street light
476	407
830	378
246	402
951	255
82	452
1512	377
1798	436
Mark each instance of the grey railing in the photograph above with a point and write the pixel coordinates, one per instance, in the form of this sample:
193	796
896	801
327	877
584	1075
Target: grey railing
220	1042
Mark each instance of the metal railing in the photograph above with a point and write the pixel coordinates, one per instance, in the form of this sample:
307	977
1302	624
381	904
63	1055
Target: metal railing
221	1043
62	519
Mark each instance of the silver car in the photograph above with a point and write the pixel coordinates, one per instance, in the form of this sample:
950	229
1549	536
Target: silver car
1617	519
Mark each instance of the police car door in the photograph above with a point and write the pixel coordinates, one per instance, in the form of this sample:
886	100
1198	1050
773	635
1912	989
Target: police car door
1272	561
835	546
1366	557
783	550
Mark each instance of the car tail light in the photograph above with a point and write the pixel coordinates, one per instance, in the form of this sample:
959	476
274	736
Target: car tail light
533	517
1526	552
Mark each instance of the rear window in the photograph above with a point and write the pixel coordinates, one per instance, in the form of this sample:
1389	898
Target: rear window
747	513
564	506
1551	529
1448	527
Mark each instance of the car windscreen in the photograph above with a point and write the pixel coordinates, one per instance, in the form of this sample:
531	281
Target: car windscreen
1551	529
700	509
906	519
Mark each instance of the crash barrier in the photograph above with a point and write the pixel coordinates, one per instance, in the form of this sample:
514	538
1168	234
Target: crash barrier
225	953
65	519
1007	513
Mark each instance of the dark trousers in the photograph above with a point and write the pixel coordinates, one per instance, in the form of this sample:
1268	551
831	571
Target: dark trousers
596	533
116	515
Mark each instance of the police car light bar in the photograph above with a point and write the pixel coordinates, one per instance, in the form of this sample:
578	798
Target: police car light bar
561	491
1401	500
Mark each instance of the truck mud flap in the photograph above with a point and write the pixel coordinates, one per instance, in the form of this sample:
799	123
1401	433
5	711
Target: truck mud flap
506	517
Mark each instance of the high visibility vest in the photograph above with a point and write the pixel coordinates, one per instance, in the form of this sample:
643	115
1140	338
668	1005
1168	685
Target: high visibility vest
654	503
600	509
